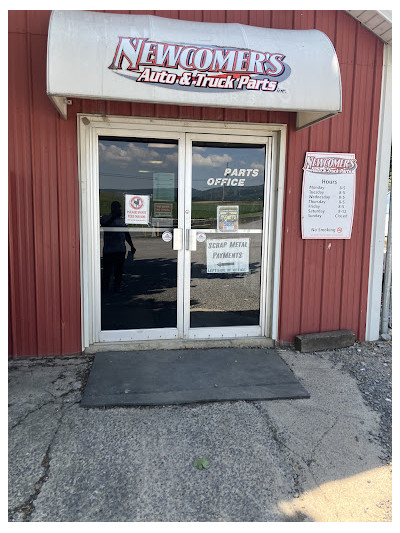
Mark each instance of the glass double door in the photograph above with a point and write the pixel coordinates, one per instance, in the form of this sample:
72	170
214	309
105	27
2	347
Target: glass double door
181	227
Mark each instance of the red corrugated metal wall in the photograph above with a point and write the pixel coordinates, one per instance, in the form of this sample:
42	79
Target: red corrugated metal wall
323	283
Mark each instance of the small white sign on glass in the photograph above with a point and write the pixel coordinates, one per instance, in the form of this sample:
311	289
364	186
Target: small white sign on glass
137	209
227	256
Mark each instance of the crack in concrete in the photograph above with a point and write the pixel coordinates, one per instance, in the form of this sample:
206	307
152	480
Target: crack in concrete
325	433
48	402
30	413
28	507
296	467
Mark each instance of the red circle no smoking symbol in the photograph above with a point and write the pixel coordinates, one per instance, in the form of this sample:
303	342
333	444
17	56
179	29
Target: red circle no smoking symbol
136	202
339	230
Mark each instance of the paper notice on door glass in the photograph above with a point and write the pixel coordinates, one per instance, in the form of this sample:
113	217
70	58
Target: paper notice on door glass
164	186
227	218
329	184
227	256
137	209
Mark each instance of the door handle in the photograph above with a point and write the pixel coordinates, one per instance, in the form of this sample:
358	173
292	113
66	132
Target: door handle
191	243
178	239
192	240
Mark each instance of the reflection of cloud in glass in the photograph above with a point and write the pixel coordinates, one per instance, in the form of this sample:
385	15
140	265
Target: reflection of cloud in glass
260	166
129	165
131	152
161	145
121	156
212	160
171	158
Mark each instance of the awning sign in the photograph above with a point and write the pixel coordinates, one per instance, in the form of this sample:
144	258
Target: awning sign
136	209
329	184
227	218
227	256
144	58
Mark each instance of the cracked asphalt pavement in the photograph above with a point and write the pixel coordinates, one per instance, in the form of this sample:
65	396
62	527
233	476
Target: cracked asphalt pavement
311	460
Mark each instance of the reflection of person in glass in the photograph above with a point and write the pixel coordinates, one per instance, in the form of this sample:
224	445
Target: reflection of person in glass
114	247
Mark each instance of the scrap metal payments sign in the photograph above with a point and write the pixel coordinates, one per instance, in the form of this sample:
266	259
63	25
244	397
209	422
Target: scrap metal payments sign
227	256
210	67
329	184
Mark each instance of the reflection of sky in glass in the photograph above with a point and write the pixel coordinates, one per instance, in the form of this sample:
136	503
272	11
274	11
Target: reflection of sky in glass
211	161
128	164
120	161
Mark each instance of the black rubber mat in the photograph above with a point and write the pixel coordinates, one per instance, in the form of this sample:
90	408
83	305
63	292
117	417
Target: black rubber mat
164	377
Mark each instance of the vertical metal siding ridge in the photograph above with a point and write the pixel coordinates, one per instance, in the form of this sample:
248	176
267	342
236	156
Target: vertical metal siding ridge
313	289
70	324
42	349
31	134
365	80
346	47
290	252
305	246
19	170
60	235
326	300
11	293
17	21
346	243
351	247
276	21
77	315
70	282
47	220
362	204
187	14
11	262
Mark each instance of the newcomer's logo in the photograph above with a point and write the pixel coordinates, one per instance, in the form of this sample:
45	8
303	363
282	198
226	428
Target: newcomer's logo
329	165
199	67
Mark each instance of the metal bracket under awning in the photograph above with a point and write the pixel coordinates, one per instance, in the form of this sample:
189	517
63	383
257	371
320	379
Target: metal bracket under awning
148	59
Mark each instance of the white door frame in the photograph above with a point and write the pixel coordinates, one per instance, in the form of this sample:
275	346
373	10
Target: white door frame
90	127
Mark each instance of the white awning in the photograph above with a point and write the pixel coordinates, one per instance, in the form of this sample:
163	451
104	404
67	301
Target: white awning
149	59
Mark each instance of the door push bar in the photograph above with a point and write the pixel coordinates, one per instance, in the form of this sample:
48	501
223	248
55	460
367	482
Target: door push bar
178	239
191	243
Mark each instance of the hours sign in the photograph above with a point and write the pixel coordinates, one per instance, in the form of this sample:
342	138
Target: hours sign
329	184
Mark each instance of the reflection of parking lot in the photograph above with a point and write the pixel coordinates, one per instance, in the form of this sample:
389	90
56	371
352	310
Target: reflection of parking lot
228	294
149	283
147	298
